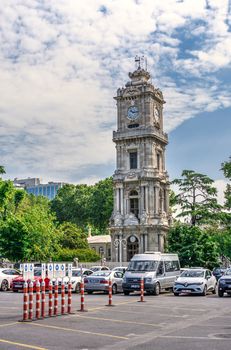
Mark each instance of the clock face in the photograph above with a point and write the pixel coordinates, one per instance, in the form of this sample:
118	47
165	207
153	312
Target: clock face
133	113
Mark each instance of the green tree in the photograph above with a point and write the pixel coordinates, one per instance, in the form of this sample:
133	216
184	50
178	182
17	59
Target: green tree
72	203
72	237
197	197
13	239
43	239
101	204
194	246
2	169
226	168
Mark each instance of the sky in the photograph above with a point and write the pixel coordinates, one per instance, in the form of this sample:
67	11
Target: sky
61	62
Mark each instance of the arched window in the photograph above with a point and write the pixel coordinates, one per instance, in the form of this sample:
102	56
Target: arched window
134	203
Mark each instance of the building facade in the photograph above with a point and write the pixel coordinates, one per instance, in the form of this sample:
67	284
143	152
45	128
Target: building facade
140	219
34	186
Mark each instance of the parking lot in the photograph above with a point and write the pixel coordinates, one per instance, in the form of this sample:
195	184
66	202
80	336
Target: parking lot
161	322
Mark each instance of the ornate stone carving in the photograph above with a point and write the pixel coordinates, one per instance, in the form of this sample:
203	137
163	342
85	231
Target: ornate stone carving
144	218
118	219
130	219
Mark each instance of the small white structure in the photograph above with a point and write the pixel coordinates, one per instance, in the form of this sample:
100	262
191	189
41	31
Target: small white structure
101	244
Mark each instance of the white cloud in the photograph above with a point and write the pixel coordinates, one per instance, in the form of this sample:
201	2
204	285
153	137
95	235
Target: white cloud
62	61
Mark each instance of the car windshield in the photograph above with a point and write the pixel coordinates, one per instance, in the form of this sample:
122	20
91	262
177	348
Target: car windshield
228	272
37	272
146	265
192	273
101	273
76	273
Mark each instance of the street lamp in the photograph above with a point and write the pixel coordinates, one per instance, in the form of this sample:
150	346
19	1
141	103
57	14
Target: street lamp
118	243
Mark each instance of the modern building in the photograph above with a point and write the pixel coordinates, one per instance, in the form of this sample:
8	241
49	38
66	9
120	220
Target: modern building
140	219
34	186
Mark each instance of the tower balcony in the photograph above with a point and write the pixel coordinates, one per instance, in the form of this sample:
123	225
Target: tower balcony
150	131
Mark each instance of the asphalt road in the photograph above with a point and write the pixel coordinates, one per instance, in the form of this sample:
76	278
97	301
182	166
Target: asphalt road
161	322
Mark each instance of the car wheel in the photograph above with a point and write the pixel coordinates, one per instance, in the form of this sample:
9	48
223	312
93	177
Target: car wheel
204	291
156	290
4	285
220	293
77	288
176	294
114	289
126	292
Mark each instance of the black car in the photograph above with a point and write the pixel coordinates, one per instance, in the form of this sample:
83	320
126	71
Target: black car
218	272
224	283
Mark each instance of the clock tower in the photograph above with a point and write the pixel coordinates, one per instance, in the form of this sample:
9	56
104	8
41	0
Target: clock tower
140	218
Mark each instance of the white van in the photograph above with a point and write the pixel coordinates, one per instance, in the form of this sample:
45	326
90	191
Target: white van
158	270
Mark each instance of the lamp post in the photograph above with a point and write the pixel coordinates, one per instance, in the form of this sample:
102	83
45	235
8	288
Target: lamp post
119	243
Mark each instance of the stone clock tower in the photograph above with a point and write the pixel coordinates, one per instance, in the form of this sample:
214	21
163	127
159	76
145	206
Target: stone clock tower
140	218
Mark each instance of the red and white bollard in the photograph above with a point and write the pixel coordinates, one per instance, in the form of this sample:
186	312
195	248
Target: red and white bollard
31	295
142	290
50	299
62	298
56	298
43	299
25	301
37	314
109	293
82	296
69	297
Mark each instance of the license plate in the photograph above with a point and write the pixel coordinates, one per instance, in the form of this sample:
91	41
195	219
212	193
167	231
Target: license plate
17	285
135	286
185	291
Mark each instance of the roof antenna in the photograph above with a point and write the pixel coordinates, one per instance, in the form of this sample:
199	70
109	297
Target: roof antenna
137	62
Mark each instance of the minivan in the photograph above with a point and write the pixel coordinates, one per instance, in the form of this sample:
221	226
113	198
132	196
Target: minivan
158	270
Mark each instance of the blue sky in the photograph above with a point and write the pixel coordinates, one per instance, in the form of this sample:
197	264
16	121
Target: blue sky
61	62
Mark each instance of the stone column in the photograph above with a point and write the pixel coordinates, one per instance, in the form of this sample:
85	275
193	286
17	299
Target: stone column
146	199
122	200
117	200
157	199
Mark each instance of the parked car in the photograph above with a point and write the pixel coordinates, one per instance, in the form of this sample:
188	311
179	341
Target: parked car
6	277
99	281
120	268
224	283
99	268
77	273
18	282
218	272
195	281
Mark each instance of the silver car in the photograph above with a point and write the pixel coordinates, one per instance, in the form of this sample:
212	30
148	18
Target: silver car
195	281
99	281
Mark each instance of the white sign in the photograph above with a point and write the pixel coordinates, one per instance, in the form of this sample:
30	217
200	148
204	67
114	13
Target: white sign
59	270
50	271
63	270
43	267
69	270
28	271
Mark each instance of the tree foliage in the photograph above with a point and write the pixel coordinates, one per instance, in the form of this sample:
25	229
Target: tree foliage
85	205
196	198
226	168
194	246
72	237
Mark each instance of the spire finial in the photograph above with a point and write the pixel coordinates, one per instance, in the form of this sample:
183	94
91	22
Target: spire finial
141	62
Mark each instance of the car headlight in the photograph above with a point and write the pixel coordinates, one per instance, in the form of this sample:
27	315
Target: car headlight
221	281
199	283
148	280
